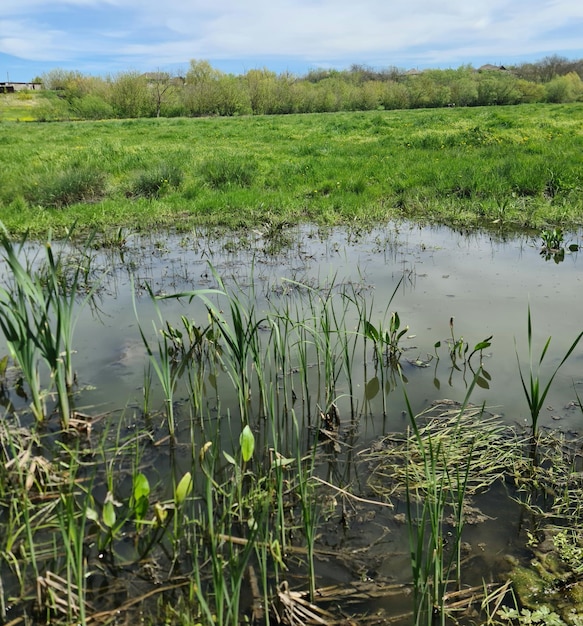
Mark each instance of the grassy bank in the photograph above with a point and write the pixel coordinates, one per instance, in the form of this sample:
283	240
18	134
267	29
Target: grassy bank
514	166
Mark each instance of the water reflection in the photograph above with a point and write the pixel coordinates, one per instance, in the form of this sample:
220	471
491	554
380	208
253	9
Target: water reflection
482	281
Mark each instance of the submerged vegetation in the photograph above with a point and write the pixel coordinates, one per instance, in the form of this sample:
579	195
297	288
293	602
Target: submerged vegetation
219	499
504	167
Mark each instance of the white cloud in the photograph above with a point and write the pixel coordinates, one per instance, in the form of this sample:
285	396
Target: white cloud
150	32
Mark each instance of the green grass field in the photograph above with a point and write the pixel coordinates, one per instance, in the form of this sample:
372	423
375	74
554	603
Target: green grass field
518	166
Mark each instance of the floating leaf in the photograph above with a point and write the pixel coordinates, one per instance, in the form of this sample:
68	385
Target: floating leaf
247	443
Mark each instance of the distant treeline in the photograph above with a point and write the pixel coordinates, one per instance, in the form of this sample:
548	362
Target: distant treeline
205	90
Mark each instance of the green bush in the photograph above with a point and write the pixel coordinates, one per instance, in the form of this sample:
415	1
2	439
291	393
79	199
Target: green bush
154	183
224	172
60	189
92	108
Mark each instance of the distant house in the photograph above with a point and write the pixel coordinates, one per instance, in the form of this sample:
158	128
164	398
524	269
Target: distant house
492	68
413	72
7	87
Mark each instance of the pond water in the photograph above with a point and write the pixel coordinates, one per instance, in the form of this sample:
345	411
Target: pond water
440	281
484	282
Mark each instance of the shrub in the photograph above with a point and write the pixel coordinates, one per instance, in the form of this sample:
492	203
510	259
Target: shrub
154	183
56	190
224	172
92	108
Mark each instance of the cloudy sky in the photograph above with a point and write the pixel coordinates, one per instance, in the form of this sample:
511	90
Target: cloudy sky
108	36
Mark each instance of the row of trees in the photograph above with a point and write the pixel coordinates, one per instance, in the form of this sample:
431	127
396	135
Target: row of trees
205	90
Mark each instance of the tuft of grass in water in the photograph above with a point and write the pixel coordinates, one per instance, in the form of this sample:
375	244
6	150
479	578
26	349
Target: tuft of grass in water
535	391
443	484
38	315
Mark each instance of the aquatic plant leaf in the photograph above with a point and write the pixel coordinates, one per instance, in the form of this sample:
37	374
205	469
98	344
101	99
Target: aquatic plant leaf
230	459
141	496
91	514
183	488
141	486
372	388
3	365
281	461
247	443
108	514
482	382
371	332
482	345
161	513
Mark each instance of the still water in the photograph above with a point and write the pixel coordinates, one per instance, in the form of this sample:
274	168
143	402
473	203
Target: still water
484	282
445	286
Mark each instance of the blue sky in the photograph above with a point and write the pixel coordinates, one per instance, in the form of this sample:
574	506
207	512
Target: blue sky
104	37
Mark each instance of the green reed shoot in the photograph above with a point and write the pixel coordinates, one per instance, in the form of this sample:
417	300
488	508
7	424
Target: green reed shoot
308	507
19	305
534	390
38	315
161	362
228	559
239	331
442	487
240	334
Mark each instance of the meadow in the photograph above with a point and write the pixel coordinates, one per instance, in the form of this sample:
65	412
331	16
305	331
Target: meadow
516	166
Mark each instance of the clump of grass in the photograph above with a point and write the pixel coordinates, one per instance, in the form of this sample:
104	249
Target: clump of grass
155	182
70	186
38	314
535	391
222	172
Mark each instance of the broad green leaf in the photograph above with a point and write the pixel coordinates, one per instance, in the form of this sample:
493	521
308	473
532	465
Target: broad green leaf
372	388
109	515
141	496
247	443
370	331
183	488
482	382
141	487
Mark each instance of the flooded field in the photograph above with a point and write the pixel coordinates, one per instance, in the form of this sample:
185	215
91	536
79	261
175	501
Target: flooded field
319	347
484	283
